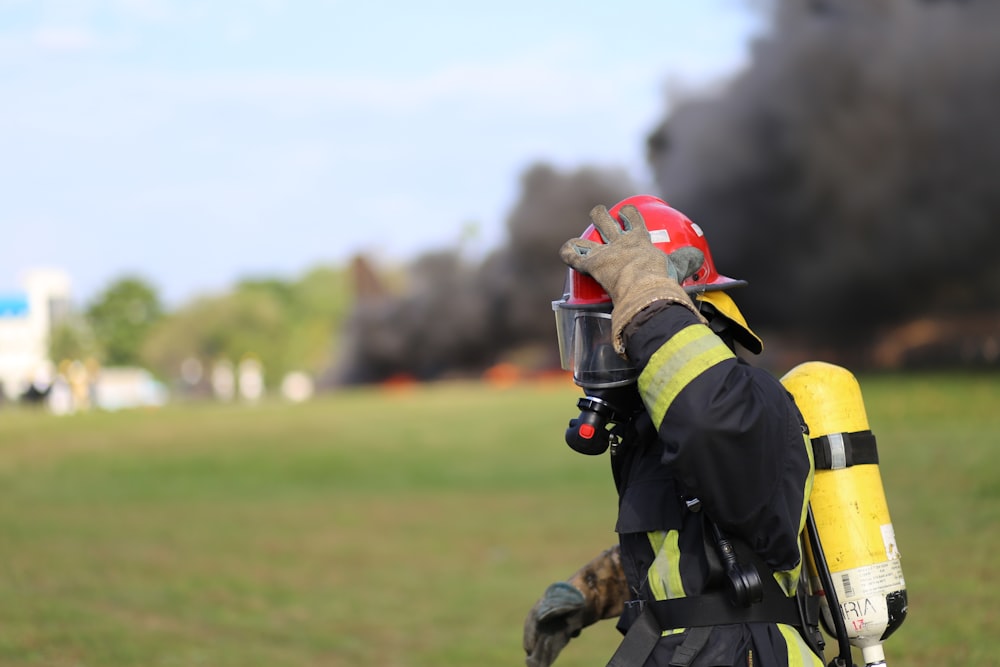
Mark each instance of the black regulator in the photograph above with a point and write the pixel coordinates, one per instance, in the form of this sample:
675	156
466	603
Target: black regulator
602	411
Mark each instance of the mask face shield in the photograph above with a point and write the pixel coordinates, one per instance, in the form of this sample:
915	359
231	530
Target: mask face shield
586	347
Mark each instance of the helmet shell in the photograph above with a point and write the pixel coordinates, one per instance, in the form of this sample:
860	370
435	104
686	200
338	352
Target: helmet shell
669	230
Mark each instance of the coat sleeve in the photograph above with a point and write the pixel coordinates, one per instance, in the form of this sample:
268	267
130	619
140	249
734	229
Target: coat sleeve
730	432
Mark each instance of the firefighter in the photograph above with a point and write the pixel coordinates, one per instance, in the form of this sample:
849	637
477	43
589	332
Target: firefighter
709	454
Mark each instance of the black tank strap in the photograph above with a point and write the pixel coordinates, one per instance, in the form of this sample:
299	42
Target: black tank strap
842	450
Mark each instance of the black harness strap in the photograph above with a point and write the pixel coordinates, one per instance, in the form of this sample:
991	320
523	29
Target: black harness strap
699	614
639	642
696	639
716	609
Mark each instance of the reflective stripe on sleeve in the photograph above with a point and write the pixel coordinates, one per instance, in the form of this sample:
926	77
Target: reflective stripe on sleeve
688	354
789	579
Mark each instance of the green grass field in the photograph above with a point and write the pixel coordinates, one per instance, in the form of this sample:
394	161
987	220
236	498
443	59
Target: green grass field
411	527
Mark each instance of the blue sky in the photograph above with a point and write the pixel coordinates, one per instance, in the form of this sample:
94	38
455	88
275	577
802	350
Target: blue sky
199	143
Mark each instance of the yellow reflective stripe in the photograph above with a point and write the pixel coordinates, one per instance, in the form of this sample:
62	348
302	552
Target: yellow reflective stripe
799	653
688	354
808	489
789	579
665	573
809	453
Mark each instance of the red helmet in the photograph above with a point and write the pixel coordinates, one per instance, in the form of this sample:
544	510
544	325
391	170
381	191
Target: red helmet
670	230
583	315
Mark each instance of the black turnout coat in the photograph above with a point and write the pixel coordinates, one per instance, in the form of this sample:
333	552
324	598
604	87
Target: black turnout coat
725	433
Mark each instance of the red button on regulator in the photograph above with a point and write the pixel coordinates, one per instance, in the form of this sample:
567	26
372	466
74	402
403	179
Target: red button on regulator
587	431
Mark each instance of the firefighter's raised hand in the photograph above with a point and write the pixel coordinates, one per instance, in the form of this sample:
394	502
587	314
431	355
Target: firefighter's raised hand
633	271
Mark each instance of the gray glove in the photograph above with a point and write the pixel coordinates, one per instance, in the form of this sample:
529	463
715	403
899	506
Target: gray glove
633	271
552	622
596	591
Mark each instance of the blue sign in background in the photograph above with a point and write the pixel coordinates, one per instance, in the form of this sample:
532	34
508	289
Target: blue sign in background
13	305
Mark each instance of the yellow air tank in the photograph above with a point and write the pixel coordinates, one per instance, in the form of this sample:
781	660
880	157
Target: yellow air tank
849	507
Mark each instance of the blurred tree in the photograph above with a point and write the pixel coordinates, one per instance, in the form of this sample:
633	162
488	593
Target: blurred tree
323	301
213	328
72	339
121	317
287	325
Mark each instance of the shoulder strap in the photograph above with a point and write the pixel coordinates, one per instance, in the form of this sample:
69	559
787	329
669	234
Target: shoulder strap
639	642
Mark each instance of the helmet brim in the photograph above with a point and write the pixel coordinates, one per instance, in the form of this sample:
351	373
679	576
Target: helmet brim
720	283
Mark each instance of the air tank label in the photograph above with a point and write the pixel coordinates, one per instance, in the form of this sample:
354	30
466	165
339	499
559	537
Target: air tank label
862	594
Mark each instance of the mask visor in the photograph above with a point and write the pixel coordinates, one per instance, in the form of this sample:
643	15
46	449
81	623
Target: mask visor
586	348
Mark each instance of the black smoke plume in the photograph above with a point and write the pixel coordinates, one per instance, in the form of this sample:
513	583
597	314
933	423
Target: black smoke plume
850	172
454	317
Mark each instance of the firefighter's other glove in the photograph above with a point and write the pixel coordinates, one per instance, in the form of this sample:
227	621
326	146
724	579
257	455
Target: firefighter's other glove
633	271
555	619
596	591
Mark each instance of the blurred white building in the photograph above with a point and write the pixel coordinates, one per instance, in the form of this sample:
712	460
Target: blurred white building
27	318
119	388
